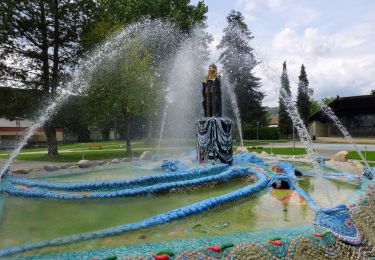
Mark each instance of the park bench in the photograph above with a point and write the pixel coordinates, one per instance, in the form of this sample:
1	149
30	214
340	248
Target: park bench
95	146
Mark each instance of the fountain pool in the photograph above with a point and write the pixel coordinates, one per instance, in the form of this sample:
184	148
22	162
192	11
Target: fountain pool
45	218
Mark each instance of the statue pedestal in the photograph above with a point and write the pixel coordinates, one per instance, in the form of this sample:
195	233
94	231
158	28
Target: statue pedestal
215	139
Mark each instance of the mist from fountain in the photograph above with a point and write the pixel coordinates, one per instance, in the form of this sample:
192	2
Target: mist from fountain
161	36
234	104
184	79
163	120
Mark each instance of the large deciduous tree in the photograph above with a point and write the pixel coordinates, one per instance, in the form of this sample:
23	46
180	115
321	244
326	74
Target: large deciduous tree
285	123
111	15
238	61
303	95
121	89
39	40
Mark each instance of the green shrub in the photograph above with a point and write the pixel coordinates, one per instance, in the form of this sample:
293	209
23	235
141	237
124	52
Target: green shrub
265	133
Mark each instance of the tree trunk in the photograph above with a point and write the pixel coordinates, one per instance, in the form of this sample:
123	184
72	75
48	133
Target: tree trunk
44	47
50	132
149	132
48	127
56	45
127	135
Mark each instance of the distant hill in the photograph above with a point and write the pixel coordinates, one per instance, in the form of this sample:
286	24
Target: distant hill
272	110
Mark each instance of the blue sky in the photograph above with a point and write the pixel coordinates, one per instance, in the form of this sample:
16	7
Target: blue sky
334	39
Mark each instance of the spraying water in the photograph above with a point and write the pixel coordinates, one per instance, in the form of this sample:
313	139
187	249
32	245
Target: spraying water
148	31
265	70
233	101
162	128
329	112
185	72
303	133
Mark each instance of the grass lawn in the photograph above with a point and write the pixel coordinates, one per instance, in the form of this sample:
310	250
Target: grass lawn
119	144
284	150
260	142
88	155
370	155
74	156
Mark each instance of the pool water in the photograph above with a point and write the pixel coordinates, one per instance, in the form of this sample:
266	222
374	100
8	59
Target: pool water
26	220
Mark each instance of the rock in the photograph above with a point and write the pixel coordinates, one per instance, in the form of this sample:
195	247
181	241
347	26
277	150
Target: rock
357	164
242	149
84	164
341	156
51	168
146	155
264	153
64	167
346	167
115	161
127	159
20	171
99	163
72	167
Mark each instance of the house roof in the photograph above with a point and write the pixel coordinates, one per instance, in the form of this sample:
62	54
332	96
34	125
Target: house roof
274	120
348	106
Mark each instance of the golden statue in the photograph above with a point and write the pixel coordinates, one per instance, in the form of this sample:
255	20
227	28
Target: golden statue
211	93
212	73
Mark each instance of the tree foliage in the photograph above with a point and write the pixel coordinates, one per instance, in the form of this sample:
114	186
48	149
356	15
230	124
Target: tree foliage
238	61
303	95
123	89
285	123
39	40
111	15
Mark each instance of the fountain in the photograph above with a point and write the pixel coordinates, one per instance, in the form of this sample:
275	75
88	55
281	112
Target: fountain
177	208
147	30
214	132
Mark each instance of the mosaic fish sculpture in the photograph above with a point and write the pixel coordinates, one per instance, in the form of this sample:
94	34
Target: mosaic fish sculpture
338	220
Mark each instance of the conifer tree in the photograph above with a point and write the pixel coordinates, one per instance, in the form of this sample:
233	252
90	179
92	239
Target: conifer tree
238	61
285	123
303	95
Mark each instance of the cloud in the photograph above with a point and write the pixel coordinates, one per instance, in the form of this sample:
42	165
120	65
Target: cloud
354	36
312	42
328	76
250	5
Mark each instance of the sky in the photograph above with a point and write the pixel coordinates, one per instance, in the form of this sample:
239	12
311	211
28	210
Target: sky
334	39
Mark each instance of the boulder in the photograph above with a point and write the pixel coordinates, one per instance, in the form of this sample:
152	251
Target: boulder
20	171
99	163
341	156
264	153
51	168
126	159
146	155
357	164
84	164
242	149
64	167
115	161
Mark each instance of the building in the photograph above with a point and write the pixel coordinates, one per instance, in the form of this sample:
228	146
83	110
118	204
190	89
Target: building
12	131
356	113
15	105
274	122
